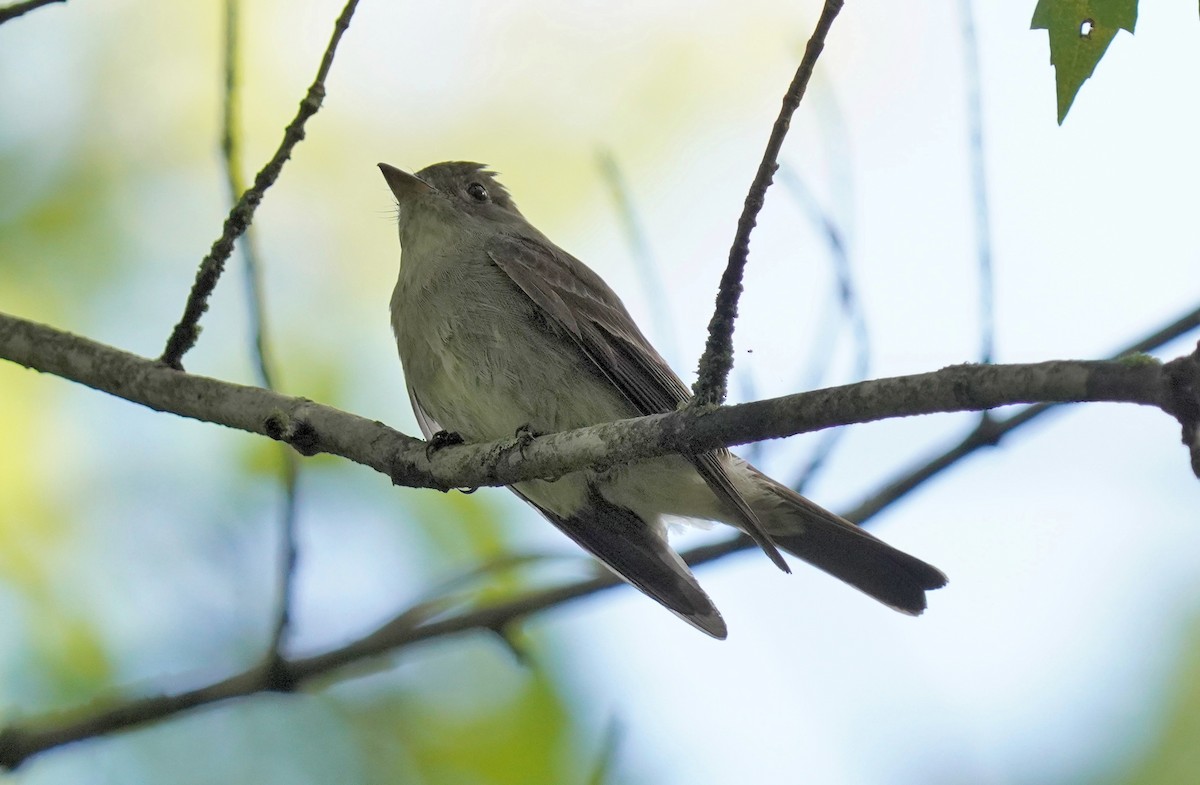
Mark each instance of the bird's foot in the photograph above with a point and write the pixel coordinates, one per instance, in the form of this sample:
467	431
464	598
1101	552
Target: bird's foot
441	439
524	437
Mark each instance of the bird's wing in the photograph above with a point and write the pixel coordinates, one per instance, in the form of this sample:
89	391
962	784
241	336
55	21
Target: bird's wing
637	553
579	303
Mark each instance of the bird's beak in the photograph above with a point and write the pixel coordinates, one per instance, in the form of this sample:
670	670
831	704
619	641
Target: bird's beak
404	185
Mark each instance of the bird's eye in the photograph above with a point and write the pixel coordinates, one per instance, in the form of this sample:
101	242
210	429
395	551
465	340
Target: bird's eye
477	192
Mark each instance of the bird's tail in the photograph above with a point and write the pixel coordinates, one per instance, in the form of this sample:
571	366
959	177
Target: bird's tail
835	545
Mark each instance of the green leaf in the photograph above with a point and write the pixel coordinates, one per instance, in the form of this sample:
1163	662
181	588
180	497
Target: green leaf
1080	32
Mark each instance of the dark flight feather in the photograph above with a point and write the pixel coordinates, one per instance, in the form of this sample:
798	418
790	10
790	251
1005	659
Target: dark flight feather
578	301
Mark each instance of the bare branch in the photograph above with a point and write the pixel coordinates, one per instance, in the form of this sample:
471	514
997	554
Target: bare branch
18	9
643	258
19	743
851	309
990	431
289	468
1183	402
184	336
606	758
313	428
712	382
983	227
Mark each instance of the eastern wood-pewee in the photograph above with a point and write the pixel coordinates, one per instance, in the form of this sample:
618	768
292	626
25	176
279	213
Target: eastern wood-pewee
501	330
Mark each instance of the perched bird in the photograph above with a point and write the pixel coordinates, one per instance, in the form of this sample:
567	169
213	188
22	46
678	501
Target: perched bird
500	330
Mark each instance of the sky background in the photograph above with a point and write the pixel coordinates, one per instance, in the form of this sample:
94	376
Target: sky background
137	548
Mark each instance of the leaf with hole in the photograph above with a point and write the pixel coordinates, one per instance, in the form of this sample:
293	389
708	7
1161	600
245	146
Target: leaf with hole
1080	32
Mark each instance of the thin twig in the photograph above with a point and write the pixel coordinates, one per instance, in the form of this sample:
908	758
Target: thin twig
851	311
713	375
602	769
17	9
184	336
19	743
983	226
639	247
288	551
289	469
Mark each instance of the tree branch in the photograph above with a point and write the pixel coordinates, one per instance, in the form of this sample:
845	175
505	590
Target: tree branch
990	431
979	191
313	428
19	743
9	12
713	376
184	336
639	250
852	312
289	467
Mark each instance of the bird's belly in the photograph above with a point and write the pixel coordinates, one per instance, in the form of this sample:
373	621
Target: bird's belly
480	360
499	370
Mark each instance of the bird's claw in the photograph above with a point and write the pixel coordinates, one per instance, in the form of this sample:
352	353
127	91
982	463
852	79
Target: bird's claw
524	436
439	440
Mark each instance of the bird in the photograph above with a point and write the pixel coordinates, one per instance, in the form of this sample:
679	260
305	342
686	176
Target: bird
501	332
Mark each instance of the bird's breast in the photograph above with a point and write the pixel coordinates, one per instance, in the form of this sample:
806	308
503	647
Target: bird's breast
483	361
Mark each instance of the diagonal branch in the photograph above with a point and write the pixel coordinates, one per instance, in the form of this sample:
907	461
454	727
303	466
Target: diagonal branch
9	12
20	743
639	250
979	192
852	312
313	428
990	431
289	468
184	336
717	360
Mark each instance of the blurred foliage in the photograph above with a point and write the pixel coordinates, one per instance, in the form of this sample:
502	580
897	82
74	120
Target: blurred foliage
1173	756
455	521
63	658
65	215
505	724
